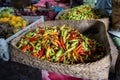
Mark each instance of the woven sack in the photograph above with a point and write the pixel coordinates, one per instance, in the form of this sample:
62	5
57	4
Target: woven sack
104	20
94	70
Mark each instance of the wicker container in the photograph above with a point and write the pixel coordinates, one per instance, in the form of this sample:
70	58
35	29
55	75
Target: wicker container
117	66
95	70
104	20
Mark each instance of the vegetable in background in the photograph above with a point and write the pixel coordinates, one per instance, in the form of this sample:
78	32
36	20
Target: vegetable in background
83	12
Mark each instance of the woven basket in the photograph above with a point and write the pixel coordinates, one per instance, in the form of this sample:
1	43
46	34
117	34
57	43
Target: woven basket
117	66
95	70
104	20
115	2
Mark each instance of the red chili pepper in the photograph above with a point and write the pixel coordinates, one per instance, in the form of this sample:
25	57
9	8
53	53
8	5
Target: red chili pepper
30	48
62	44
32	39
80	50
80	46
41	31
72	38
61	59
24	47
41	52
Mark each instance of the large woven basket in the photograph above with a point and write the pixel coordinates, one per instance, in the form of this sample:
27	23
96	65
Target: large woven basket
104	20
117	67
94	70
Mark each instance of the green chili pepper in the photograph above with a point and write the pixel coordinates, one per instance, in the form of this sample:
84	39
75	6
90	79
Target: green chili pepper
67	45
52	52
69	50
58	54
64	35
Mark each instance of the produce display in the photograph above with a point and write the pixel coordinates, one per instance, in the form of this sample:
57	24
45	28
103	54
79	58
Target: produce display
14	23
83	12
61	44
49	14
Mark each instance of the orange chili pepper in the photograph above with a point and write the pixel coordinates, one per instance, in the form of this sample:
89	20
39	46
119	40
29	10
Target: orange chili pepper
24	48
35	55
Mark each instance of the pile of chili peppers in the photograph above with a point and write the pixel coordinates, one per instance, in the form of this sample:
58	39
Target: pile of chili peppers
61	44
82	12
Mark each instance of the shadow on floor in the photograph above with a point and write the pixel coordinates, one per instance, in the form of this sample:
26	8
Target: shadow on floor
16	71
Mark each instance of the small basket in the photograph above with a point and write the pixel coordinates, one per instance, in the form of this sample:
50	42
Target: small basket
94	70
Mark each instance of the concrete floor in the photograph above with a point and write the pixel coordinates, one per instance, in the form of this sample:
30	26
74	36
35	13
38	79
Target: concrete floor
16	71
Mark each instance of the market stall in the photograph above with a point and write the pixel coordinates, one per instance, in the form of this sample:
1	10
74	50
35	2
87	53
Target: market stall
57	39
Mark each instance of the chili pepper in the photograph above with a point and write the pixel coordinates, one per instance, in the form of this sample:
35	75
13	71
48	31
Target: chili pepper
58	43
61	59
54	43
58	54
35	55
52	52
43	57
69	55
48	53
24	48
62	44
67	45
81	59
64	60
82	53
79	46
64	35
41	52
30	48
69	50
32	39
74	56
72	38
74	44
41	31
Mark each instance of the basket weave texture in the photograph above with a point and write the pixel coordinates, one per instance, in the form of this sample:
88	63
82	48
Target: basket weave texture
95	70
